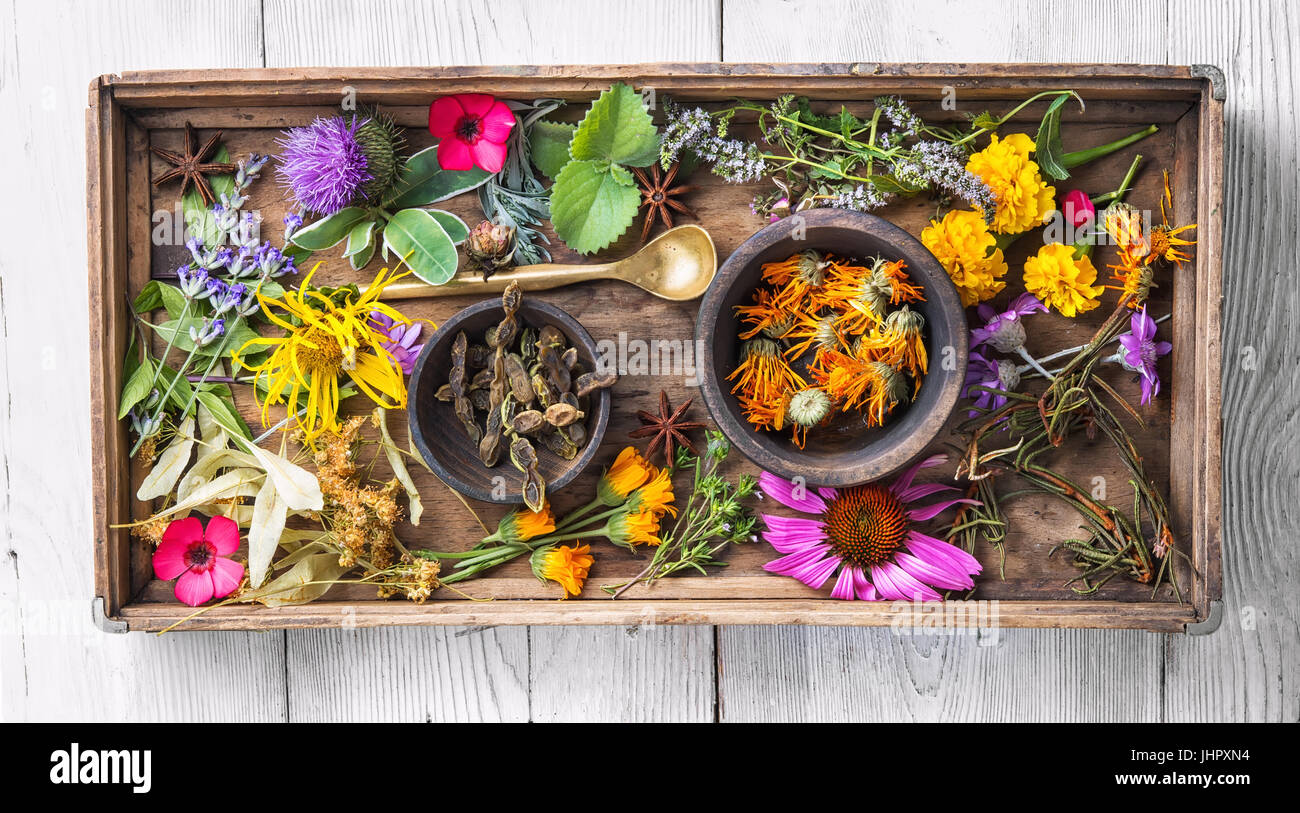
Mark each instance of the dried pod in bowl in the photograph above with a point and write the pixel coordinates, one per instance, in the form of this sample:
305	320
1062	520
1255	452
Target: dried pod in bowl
528	421
570	358
520	384
562	414
524	458
562	443
480	399
587	383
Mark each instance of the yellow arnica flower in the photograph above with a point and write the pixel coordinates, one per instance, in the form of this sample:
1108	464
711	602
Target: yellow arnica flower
629	472
967	250
656	496
1024	199
565	566
1063	281
520	526
334	337
632	529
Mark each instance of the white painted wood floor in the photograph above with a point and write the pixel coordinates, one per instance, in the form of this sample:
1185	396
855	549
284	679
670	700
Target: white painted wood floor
54	665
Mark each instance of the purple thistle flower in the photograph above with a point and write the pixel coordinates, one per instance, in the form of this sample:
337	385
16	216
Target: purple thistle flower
1142	352
401	339
1003	331
988	372
323	164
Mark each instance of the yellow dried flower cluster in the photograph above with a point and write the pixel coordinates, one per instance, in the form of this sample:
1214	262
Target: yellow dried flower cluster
968	251
361	517
152	530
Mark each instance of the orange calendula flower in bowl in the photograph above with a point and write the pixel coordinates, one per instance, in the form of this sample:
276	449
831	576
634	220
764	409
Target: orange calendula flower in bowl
1063	280
1024	200
968	251
564	565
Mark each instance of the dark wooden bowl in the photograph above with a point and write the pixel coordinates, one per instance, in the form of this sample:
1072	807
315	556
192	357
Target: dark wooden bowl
439	436
849	453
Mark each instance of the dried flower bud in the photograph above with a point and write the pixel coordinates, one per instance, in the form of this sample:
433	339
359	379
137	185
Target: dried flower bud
490	247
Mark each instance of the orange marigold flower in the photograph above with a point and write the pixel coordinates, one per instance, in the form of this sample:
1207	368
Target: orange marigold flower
521	525
629	471
628	530
656	496
564	565
1062	280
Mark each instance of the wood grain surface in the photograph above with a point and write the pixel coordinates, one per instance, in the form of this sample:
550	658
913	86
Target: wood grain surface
55	665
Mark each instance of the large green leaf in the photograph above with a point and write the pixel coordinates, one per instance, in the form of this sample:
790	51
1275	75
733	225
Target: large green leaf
618	129
1047	147
198	216
422	182
549	144
420	241
361	237
456	228
136	388
592	204
330	230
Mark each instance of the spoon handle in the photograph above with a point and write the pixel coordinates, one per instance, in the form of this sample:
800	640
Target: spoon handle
541	277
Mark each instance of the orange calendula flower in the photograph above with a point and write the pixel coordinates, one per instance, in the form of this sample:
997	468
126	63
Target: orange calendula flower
629	471
520	525
1062	280
1165	242
656	496
564	565
874	387
898	342
968	251
627	530
861	295
763	371
765	317
796	277
1135	276
1024	198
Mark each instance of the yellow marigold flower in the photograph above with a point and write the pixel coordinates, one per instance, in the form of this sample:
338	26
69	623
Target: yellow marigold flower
334	336
629	472
1063	281
968	251
1024	198
563	565
520	525
634	528
656	496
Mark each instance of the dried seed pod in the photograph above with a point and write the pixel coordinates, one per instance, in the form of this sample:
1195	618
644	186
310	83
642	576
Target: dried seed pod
507	329
588	383
570	358
545	391
520	384
556	372
482	379
562	414
570	399
528	421
561	444
550	336
480	399
478	357
528	345
524	458
444	393
489	448
577	434
456	385
509	408
490	337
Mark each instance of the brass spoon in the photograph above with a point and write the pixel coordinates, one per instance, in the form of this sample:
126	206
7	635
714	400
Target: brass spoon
677	265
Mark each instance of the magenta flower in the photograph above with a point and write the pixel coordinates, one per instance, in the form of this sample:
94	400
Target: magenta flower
472	129
988	372
1003	331
1077	208
196	559
401	339
865	532
1142	352
323	164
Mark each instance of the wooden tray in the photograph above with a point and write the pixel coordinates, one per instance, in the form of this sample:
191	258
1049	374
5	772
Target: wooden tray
1182	448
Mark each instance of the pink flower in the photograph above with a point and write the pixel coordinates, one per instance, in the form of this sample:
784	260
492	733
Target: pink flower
1142	351
195	558
865	532
1077	208
473	129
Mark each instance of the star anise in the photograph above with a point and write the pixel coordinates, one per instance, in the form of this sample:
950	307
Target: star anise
667	428
659	194
193	166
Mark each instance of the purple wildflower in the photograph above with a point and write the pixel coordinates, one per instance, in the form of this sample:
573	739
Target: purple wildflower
989	372
1142	352
695	131
1003	331
323	164
401	339
900	115
212	329
229	297
193	281
862	198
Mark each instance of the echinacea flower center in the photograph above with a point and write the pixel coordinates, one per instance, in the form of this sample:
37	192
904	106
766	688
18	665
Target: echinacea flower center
469	129
200	556
865	525
319	352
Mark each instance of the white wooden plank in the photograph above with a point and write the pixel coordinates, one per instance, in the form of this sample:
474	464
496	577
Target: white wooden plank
1248	669
409	675
841	674
53	663
517	32
622	674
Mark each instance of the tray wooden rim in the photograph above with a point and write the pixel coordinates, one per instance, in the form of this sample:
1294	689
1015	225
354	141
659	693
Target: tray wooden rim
111	98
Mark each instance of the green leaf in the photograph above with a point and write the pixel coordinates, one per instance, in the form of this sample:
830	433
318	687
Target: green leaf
362	258
136	389
360	238
549	144
330	230
422	182
456	228
198	215
182	392
224	413
1047	146
618	129
592	204
173	300
420	241
149	298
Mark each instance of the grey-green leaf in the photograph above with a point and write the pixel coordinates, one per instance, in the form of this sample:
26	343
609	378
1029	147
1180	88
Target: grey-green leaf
456	228
423	182
548	142
330	230
360	238
420	241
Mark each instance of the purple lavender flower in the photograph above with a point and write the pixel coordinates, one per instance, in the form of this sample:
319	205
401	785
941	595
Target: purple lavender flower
695	131
1142	352
401	339
323	164
212	329
1003	331
989	372
227	298
240	263
193	281
292	222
